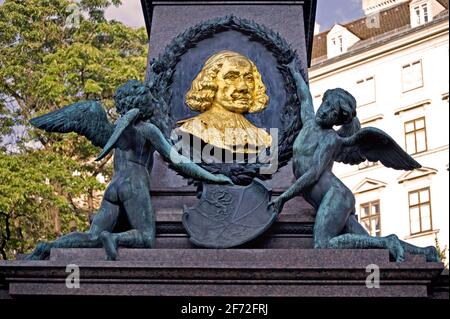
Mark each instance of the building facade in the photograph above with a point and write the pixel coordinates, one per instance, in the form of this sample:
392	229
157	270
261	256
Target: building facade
395	61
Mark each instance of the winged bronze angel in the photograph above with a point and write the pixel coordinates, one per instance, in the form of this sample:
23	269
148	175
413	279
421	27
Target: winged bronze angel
315	150
135	138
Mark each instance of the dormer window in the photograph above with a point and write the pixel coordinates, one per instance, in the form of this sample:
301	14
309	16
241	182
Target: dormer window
422	14
423	11
338	43
339	40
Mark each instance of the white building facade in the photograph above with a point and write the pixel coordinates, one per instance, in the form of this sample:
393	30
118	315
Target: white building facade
395	61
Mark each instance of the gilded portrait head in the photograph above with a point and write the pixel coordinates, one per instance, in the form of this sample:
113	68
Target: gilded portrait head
207	83
228	86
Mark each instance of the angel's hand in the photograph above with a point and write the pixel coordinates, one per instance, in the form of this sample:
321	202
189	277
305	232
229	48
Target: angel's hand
222	179
277	205
293	66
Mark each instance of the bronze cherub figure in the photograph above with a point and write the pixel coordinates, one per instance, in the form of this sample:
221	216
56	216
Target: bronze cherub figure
135	138
317	147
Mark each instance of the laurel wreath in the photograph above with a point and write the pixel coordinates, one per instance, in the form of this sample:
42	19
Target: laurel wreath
163	68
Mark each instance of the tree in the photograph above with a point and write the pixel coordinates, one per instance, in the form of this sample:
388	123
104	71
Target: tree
46	62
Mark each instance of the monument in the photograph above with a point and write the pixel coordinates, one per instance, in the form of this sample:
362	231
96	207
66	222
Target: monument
226	106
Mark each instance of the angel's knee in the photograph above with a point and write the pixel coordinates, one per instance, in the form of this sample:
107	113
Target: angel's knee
149	238
321	240
111	193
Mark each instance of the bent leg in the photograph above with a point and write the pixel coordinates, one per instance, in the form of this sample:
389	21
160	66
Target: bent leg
353	241
142	220
331	217
105	219
431	253
335	210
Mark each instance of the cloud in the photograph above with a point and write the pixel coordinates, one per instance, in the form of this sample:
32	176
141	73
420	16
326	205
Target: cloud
330	12
129	13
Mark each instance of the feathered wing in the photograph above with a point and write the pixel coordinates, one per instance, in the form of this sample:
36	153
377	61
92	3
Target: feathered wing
375	145
87	118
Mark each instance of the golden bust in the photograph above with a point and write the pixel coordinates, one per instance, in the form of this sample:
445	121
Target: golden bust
228	86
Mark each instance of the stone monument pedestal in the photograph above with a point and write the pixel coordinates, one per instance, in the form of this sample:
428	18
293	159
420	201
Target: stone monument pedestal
223	273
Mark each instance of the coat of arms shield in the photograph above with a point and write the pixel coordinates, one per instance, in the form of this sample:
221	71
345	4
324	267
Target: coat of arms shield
229	216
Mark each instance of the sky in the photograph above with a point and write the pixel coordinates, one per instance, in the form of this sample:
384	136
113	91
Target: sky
329	12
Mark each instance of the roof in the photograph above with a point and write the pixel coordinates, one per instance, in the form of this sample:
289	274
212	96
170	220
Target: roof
391	19
443	3
309	13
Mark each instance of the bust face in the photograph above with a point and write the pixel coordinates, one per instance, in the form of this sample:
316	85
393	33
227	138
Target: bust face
228	86
328	113
236	86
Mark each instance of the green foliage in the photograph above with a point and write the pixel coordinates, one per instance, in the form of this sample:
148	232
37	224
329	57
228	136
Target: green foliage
443	251
33	186
46	64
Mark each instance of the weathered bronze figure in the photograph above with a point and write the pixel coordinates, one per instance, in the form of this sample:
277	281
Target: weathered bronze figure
317	147
135	139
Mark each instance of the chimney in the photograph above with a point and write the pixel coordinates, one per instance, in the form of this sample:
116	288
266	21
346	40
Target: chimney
316	28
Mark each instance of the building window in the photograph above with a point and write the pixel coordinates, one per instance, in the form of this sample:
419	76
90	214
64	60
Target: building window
421	14
425	12
420	219
370	218
365	89
412	76
416	136
338	43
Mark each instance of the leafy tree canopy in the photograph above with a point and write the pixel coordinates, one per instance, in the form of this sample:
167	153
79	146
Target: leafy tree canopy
53	53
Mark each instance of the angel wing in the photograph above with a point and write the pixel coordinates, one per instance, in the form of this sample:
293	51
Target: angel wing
375	145
87	118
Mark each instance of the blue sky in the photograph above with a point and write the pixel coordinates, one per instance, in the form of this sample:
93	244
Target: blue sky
329	12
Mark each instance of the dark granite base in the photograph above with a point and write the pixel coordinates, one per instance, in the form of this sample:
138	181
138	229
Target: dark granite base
293	229
223	273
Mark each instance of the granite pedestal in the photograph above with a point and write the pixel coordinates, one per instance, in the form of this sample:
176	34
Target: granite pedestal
223	273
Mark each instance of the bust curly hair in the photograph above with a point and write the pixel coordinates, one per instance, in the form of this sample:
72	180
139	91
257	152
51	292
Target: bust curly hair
203	90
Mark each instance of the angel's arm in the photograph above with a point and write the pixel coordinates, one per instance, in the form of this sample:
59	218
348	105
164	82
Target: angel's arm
304	94
181	163
322	159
